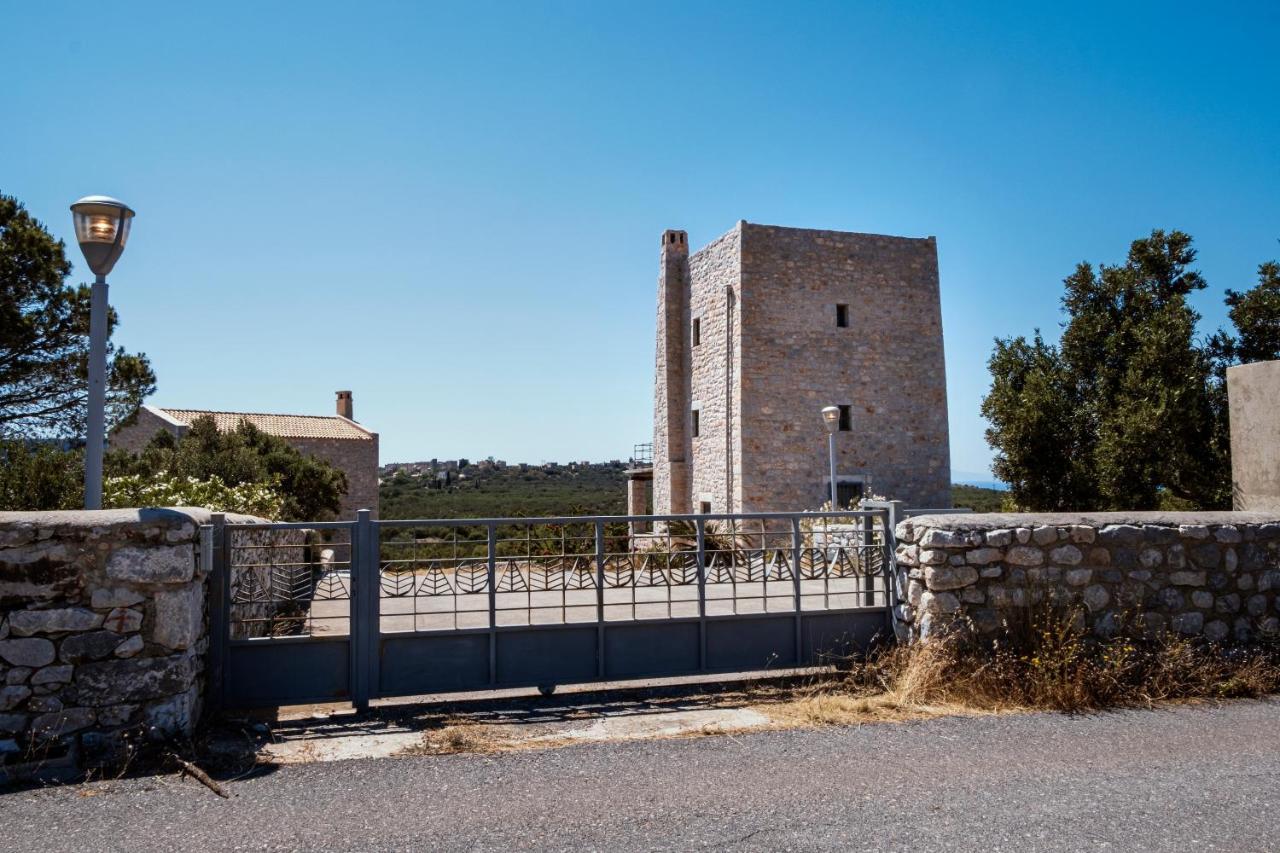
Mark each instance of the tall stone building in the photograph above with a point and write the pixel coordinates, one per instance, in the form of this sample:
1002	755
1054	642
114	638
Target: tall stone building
337	439
765	326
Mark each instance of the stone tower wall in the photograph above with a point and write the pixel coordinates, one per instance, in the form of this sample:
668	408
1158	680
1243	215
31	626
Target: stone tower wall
671	395
887	365
715	376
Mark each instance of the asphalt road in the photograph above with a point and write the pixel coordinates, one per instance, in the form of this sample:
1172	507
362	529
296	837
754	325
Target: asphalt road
1204	778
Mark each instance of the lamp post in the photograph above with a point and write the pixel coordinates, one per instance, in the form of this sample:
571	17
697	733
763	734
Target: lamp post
102	228
831	420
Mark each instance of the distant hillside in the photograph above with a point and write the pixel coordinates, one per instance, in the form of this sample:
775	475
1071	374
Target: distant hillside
976	498
487	490
484	490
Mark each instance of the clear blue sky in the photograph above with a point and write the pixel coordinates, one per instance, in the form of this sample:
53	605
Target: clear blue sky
454	210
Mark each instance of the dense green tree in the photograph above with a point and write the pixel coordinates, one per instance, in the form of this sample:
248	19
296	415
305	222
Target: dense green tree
37	475
44	338
1128	411
312	488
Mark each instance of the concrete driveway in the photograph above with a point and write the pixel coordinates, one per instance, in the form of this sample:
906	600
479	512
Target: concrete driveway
1191	778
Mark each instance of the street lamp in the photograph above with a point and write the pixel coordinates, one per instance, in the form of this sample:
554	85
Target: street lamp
102	228
831	420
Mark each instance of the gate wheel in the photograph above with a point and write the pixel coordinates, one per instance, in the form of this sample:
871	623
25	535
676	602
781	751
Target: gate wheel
546	689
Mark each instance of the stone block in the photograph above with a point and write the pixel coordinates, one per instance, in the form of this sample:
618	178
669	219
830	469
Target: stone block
94	645
18	675
1083	534
934	538
991	571
1079	577
1193	531
1227	533
180	616
124	620
933	557
62	722
1121	534
949	577
13	696
1188	623
939	602
1150	558
129	647
116	715
30	651
1066	555
1024	555
106	597
60	620
1216	631
174	716
152	565
999	538
53	675
13	723
1044	535
983	556
1187	578
134	680
1202	598
1096	597
1206	556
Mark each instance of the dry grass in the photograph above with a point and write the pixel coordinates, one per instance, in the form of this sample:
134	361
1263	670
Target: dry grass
1046	662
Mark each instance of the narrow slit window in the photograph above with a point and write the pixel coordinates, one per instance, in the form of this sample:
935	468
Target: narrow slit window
705	507
697	331
842	316
695	423
846	419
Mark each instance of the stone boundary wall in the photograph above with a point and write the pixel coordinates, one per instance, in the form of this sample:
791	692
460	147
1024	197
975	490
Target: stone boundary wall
1212	574
103	632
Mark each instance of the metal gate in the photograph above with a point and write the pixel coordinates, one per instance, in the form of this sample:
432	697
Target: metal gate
322	612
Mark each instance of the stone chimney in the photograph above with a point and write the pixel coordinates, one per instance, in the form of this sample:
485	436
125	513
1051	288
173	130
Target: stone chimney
345	409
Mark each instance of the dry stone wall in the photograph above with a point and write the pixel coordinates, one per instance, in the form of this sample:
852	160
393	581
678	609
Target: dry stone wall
1215	575
102	631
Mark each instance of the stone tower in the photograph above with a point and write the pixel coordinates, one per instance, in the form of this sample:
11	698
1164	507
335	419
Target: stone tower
761	329
671	444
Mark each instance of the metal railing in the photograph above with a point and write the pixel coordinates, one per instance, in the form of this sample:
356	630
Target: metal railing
642	454
298	580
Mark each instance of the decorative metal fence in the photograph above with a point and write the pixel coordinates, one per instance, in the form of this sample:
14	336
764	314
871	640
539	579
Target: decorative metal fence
358	610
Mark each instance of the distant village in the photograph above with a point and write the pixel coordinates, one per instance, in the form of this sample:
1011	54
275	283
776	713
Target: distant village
447	471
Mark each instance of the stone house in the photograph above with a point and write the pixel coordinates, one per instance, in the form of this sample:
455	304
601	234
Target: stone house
761	329
337	439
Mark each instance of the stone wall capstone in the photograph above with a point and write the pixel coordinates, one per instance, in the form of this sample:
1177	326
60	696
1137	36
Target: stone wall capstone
1209	574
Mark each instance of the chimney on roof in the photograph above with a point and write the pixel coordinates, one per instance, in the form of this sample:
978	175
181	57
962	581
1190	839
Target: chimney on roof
345	409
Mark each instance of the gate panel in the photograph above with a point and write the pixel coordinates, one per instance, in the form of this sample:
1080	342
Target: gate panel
283	672
740	645
368	609
436	663
649	649
560	654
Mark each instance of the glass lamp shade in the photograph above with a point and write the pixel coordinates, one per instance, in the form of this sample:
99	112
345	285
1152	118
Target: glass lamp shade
102	229
831	418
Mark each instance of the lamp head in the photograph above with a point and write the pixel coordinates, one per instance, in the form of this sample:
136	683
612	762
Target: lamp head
831	418
102	229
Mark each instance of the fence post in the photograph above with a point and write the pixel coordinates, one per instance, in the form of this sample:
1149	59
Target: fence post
894	512
700	529
364	589
797	556
218	551
491	537
600	599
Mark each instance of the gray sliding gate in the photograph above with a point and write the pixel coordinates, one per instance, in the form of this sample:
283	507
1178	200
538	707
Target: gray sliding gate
322	612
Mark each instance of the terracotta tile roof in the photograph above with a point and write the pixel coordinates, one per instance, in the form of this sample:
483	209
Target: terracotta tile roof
285	426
